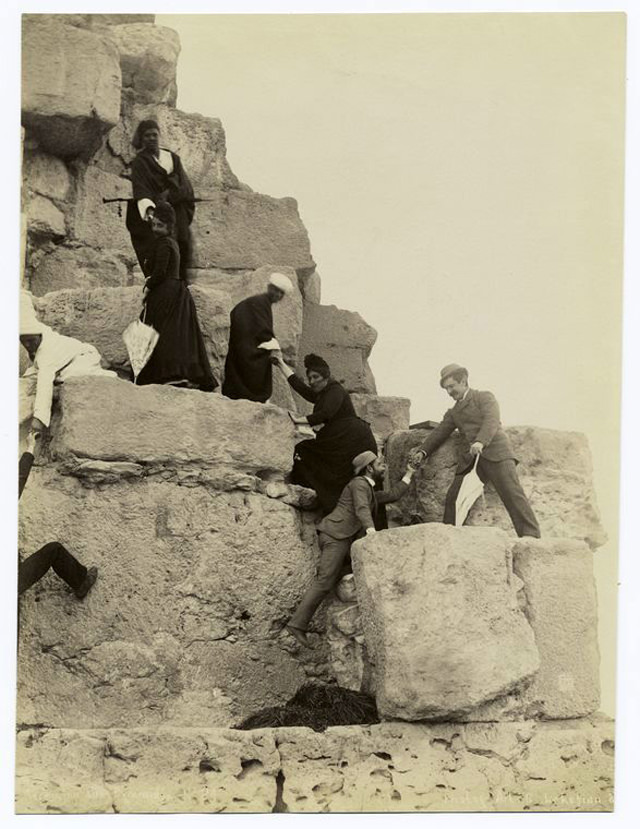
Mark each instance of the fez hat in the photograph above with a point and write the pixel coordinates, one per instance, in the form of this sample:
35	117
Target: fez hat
362	460
279	280
447	371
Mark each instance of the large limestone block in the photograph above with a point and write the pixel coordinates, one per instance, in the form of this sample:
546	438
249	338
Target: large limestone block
345	341
287	314
194	583
198	140
47	175
100	315
555	471
240	230
392	767
79	268
92	21
148	60
562	608
95	223
165	770
113	420
71	86
441	619
44	219
385	414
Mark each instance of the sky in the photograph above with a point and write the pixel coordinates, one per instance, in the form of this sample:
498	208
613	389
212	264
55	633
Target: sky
461	180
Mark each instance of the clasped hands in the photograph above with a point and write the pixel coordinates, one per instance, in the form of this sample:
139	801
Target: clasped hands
417	456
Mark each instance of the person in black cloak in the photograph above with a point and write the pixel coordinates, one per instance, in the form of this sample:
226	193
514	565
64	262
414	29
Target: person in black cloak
324	463
248	373
179	357
157	174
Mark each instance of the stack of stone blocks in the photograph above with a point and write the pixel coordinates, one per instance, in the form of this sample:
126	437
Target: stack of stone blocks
481	649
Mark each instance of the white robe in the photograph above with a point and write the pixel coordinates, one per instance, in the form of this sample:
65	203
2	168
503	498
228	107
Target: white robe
58	358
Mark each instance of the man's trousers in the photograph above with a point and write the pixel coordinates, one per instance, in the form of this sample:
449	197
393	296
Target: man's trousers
54	555
504	477
333	554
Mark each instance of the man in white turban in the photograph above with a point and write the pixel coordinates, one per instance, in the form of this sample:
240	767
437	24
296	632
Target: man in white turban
248	369
54	357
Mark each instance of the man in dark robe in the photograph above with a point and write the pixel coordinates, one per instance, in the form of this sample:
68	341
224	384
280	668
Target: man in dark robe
157	175
248	368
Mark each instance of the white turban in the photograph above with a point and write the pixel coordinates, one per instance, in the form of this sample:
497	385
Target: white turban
281	281
29	322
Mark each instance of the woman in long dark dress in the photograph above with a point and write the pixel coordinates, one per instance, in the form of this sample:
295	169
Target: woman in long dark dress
179	357
323	463
157	175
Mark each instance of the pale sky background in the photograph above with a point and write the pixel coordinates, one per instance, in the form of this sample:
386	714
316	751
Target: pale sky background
461	180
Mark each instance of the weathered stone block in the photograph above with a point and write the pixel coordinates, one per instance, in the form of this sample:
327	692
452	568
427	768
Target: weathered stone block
392	767
555	471
310	287
44	218
100	225
240	230
385	414
71	86
46	175
441	619
79	268
562	608
345	341
194	583
111	419
148	61
287	314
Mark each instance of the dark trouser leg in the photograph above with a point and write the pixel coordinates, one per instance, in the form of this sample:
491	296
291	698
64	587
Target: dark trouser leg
450	500
54	555
333	552
504	477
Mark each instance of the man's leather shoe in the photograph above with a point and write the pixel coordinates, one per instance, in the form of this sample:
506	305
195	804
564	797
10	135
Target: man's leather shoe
87	584
299	635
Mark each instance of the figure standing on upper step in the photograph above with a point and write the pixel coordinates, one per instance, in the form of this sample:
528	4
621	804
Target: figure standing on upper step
352	518
180	357
55	358
323	463
476	415
248	373
157	174
52	555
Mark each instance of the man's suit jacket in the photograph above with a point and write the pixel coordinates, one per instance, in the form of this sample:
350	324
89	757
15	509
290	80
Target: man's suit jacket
356	508
477	418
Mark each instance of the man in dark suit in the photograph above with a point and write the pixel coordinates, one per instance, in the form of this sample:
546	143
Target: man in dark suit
351	518
476	415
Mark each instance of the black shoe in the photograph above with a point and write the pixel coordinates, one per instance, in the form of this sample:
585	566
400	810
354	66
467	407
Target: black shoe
299	635
87	584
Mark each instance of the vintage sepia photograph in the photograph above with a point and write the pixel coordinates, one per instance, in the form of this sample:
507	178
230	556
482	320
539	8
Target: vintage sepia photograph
287	282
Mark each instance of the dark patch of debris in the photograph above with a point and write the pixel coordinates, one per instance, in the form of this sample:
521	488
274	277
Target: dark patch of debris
318	707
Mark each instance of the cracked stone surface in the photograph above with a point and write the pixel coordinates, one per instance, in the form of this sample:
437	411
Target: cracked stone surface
183	624
441	619
555	471
393	767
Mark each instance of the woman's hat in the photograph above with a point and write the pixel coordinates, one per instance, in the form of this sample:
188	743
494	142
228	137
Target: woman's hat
313	362
279	280
362	460
165	213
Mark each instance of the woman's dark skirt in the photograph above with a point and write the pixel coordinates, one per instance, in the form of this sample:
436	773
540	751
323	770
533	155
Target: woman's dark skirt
180	353
324	463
